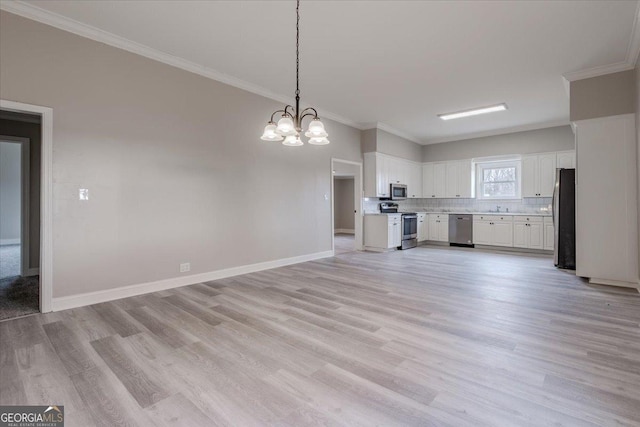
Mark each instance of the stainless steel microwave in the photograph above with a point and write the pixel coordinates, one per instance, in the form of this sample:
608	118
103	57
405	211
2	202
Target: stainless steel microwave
398	191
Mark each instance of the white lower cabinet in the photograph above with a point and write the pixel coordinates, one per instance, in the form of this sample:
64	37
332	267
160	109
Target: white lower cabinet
549	235
494	230
382	231
423	227
438	226
394	229
528	232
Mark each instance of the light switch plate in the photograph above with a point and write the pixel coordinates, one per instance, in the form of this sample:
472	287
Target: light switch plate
83	194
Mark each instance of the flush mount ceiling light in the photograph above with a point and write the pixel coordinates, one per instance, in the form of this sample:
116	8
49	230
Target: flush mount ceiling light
473	112
289	126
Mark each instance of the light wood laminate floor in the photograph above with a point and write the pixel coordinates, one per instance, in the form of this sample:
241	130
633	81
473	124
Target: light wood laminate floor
428	336
344	243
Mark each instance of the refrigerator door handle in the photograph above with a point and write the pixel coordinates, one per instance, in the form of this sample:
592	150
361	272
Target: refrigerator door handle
556	211
553	205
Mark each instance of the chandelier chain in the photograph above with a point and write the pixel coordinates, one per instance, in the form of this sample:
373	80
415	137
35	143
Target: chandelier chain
298	48
289	127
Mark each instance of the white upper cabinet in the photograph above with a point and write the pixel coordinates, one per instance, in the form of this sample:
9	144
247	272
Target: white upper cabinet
376	175
440	179
566	160
397	171
465	183
414	181
454	179
447	179
458	179
529	176
428	184
547	174
451	180
538	175
381	170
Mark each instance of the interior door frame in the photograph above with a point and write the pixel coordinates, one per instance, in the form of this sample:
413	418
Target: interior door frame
358	194
24	198
46	196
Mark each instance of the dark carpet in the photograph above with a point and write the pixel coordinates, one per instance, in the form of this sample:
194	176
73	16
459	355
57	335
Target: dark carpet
19	296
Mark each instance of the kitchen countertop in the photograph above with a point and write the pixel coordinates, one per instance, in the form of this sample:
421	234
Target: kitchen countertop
378	213
469	213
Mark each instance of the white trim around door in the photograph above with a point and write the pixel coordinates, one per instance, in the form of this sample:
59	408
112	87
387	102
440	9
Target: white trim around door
46	197
358	193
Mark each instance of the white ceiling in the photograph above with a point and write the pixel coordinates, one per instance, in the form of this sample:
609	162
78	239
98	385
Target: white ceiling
399	63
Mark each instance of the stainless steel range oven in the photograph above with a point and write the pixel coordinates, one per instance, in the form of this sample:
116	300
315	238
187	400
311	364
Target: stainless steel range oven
409	225
409	230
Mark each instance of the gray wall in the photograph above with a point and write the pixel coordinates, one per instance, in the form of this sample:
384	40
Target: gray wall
393	145
602	96
368	142
164	154
558	138
32	131
10	189
344	203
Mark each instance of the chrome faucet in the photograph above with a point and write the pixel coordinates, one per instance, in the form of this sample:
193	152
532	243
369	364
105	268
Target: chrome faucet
497	208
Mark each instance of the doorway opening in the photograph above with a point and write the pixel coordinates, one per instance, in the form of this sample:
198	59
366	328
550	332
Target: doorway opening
346	202
20	145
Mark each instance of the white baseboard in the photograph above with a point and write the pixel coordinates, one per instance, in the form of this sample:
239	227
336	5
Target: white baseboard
344	231
80	300
614	283
4	242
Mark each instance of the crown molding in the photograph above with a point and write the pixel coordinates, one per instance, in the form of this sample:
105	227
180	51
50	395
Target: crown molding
389	129
633	50
629	63
61	22
497	132
600	70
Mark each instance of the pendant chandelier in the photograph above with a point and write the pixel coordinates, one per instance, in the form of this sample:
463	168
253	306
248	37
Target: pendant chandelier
289	126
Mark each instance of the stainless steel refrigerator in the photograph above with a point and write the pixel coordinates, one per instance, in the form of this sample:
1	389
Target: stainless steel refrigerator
564	219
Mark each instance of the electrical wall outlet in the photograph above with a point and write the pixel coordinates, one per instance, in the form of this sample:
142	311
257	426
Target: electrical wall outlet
184	267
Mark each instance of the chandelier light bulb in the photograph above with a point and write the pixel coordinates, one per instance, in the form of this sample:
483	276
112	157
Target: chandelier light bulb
319	141
316	129
285	127
270	133
292	141
316	126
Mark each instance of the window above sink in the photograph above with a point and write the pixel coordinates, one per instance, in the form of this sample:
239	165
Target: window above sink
498	179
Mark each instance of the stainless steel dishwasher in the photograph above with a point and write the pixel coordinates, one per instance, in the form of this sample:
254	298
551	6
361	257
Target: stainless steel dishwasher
461	230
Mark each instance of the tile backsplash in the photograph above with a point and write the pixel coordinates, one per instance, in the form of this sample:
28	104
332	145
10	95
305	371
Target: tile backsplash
525	205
